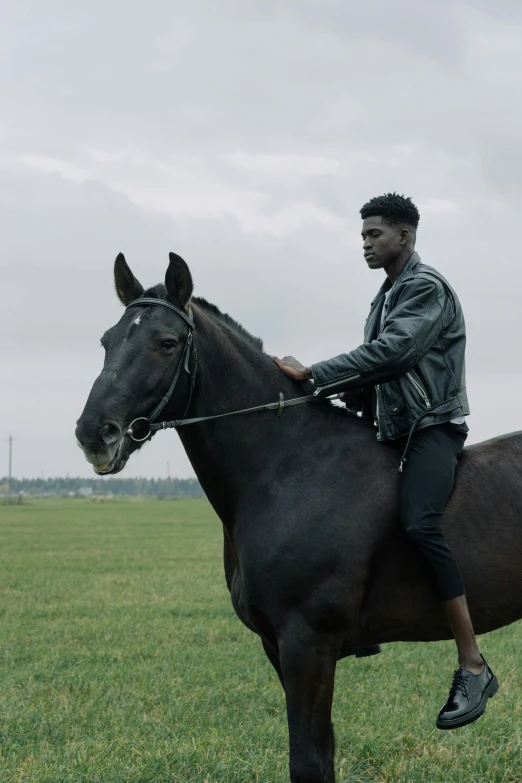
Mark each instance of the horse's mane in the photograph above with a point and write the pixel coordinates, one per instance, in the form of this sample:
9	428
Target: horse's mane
257	343
229	321
160	292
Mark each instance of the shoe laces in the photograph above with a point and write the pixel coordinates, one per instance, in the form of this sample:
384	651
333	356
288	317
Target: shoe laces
459	683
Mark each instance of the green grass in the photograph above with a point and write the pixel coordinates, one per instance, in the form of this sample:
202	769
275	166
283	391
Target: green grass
121	660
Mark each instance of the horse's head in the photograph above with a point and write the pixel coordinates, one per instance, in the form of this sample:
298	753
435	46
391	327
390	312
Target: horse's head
142	354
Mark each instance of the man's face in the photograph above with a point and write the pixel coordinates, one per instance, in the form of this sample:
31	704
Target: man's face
382	244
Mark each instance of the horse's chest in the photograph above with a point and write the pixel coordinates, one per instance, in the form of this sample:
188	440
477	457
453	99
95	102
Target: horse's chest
248	605
269	583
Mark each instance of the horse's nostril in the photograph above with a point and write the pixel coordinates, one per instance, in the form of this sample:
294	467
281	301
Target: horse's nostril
110	432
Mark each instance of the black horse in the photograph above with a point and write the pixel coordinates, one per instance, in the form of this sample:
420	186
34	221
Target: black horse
308	501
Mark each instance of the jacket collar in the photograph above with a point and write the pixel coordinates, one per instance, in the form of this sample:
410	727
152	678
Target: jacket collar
410	264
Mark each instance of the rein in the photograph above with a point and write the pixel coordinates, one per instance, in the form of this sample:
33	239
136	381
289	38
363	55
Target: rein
142	428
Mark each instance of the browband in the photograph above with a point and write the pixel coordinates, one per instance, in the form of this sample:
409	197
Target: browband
149	300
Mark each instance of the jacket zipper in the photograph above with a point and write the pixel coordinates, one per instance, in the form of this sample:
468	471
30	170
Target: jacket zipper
319	389
420	389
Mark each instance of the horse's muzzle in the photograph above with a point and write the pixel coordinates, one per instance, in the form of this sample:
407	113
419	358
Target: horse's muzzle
102	446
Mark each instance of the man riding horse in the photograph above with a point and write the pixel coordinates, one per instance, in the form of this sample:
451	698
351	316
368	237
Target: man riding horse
409	376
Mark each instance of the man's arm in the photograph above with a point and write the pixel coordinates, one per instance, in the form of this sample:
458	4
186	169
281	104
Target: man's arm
294	369
412	328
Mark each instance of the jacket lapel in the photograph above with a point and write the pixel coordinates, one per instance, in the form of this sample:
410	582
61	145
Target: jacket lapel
371	328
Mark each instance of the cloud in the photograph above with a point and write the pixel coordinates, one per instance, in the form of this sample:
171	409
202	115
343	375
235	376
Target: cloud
283	168
246	137
438	206
186	189
64	168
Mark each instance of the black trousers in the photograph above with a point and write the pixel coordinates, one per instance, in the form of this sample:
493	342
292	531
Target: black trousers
425	487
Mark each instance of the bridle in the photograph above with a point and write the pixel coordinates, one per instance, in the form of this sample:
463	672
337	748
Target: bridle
189	356
189	352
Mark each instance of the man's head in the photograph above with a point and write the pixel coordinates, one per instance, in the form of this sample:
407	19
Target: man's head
389	228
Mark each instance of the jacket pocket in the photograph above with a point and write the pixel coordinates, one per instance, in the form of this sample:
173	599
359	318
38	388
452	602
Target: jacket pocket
396	407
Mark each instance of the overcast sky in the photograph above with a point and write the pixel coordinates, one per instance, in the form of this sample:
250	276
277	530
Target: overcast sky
245	136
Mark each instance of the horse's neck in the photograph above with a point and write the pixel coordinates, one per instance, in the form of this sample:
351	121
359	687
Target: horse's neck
232	375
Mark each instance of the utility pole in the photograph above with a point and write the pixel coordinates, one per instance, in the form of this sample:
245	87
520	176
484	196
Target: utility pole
10	470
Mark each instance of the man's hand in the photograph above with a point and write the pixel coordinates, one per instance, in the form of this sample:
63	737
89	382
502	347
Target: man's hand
294	369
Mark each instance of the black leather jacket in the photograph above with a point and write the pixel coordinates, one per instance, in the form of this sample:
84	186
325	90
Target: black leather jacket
417	359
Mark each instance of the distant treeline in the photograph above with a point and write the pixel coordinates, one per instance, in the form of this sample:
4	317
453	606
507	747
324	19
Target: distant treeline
104	486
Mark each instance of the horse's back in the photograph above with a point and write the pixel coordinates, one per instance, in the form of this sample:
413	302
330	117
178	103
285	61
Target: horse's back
510	442
492	470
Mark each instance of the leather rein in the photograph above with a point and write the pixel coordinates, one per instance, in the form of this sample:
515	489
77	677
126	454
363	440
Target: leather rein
148	425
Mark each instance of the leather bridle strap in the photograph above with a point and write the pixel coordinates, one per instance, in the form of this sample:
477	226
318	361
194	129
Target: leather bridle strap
271	406
150	300
184	363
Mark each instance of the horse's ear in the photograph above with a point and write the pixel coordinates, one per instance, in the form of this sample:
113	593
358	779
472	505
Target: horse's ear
178	280
127	287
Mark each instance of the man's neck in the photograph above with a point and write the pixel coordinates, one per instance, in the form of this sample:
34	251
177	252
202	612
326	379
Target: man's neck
394	269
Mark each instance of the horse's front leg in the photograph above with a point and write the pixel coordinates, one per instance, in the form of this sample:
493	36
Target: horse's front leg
308	661
273	656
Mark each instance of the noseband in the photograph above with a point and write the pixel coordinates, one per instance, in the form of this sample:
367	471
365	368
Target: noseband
189	352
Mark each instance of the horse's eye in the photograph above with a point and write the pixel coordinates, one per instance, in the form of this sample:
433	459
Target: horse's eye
168	345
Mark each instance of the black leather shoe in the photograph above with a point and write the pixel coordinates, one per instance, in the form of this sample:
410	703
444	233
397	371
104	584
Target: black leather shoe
468	697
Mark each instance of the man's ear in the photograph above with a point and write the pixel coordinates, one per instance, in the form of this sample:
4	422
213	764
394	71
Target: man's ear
178	281
127	287
405	236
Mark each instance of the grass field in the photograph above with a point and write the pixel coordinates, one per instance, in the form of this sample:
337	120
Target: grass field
122	660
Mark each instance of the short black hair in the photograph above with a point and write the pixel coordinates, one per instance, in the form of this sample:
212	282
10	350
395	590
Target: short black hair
393	209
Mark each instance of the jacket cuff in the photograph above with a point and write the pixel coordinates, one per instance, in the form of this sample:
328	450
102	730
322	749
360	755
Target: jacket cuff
317	375
331	370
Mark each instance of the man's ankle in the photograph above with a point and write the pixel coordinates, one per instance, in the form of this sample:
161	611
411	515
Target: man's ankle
472	663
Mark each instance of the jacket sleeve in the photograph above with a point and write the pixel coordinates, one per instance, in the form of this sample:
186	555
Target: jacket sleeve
412	328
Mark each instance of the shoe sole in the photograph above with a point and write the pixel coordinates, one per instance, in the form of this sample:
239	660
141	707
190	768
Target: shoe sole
456	723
